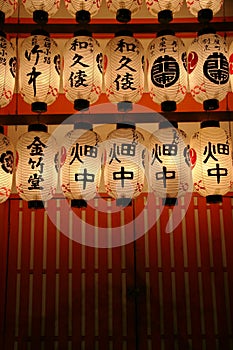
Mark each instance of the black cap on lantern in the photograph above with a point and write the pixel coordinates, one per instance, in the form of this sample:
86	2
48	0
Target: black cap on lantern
2	34
83	32
213	199
165	32
205	15
81	104
168	124
39	107
124	106
2	17
168	106
169	201
126	125
165	16
124	32
123	15
124	202
38	127
78	203
1	129
211	104
40	17
83	125
83	17
210	124
206	30
40	31
35	204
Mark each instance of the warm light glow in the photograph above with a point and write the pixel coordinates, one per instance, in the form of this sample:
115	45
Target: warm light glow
81	158
211	159
91	6
39	72
7	154
208	68
231	64
37	166
124	69
8	7
195	6
49	6
157	6
131	6
8	65
124	173
167	69
82	74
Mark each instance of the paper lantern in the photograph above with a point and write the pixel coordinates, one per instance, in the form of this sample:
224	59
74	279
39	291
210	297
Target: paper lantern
208	70
82	74
211	161
231	65
169	165
39	72
204	9
83	10
8	64
164	9
81	164
41	10
124	172
37	166
7	8
167	70
124	9
7	154
124	70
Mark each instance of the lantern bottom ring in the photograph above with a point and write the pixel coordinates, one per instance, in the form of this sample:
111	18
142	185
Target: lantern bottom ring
35	204
123	202
216	198
78	203
211	104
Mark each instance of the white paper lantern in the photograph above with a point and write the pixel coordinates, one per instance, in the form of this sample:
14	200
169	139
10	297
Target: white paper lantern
8	63
167	71
41	10
231	65
124	70
208	70
211	160
164	9
7	154
83	10
7	8
204	9
82	74
124	9
124	173
39	72
169	165
81	164
37	165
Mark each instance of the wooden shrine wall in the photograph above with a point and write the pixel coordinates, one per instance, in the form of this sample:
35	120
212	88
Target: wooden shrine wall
162	291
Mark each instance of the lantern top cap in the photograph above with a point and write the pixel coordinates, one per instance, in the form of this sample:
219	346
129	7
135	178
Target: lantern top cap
83	32
210	124
1	129
123	32
38	127
165	32
40	31
2	34
206	30
127	125
83	125
168	124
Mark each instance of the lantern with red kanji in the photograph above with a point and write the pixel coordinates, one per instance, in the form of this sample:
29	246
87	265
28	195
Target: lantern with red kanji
124	172
124	70
204	9
83	10
7	154
41	10
8	65
167	70
82	74
124	9
211	161
81	164
39	71
164	9
37	166
208	70
7	8
169	165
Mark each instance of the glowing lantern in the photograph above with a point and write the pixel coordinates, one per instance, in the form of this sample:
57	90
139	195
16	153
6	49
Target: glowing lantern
124	173
37	166
6	166
81	168
82	74
41	10
204	9
8	64
208	70
39	72
231	65
211	161
167	70
7	8
164	9
124	70
124	9
83	9
169	165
